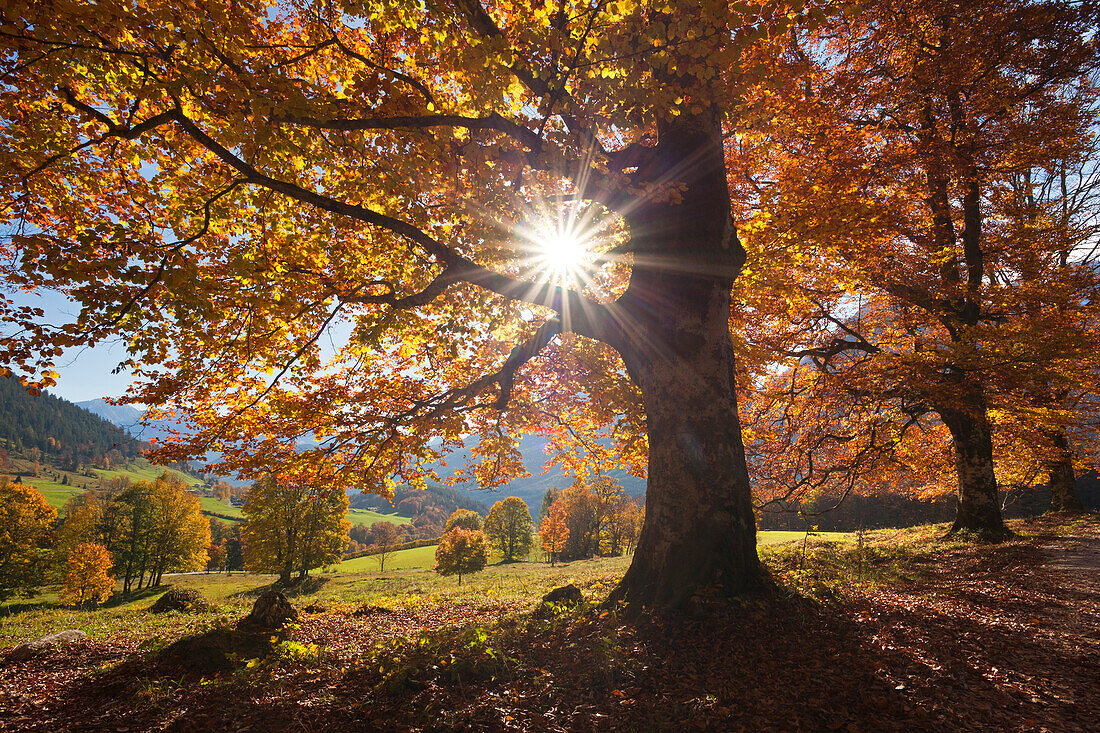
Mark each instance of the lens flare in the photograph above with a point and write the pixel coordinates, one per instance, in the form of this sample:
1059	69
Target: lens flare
563	252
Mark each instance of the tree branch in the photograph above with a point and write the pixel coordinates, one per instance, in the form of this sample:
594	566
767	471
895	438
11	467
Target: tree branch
493	122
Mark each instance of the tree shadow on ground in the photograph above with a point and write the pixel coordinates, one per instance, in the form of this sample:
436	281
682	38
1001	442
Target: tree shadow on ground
294	588
1004	646
15	609
118	599
783	665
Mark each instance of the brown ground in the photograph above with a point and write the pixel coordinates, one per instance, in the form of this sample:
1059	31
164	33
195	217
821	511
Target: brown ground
1003	638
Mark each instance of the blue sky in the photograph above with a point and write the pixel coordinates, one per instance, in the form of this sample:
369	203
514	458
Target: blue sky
85	373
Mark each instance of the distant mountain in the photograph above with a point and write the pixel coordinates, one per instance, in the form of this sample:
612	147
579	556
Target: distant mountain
128	418
532	447
58	428
123	416
531	489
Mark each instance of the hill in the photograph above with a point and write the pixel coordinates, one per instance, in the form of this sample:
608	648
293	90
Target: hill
533	448
43	425
128	418
436	503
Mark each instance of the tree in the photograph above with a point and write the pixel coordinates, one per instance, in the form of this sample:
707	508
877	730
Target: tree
482	192
902	129
216	553
464	519
582	517
26	525
461	551
620	529
385	537
180	532
510	529
87	580
160	528
548	500
553	531
234	554
291	527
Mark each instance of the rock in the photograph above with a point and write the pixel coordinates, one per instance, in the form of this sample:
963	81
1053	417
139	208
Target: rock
271	612
566	596
183	600
35	648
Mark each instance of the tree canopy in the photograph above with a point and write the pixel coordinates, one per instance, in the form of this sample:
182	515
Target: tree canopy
510	529
293	528
26	529
461	552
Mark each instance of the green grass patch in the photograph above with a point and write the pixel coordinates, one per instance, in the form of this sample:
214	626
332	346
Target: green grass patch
418	558
776	537
49	480
56	494
355	516
366	518
217	506
142	470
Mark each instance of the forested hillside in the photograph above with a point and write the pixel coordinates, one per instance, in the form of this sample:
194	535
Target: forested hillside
436	501
59	429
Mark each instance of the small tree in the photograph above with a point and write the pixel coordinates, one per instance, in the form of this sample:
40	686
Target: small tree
87	580
385	537
548	500
509	528
26	523
553	531
461	551
216	559
620	528
464	519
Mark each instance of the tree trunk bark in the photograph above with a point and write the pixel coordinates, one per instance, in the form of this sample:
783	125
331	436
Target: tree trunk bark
700	532
699	536
1063	482
978	509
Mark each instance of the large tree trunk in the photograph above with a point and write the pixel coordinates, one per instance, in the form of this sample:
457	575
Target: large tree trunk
1063	482
978	510
700	532
699	535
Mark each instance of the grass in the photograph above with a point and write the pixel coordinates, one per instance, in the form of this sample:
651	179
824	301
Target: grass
366	518
418	558
217	506
407	582
355	516
472	657
776	537
422	558
832	564
57	493
142	470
